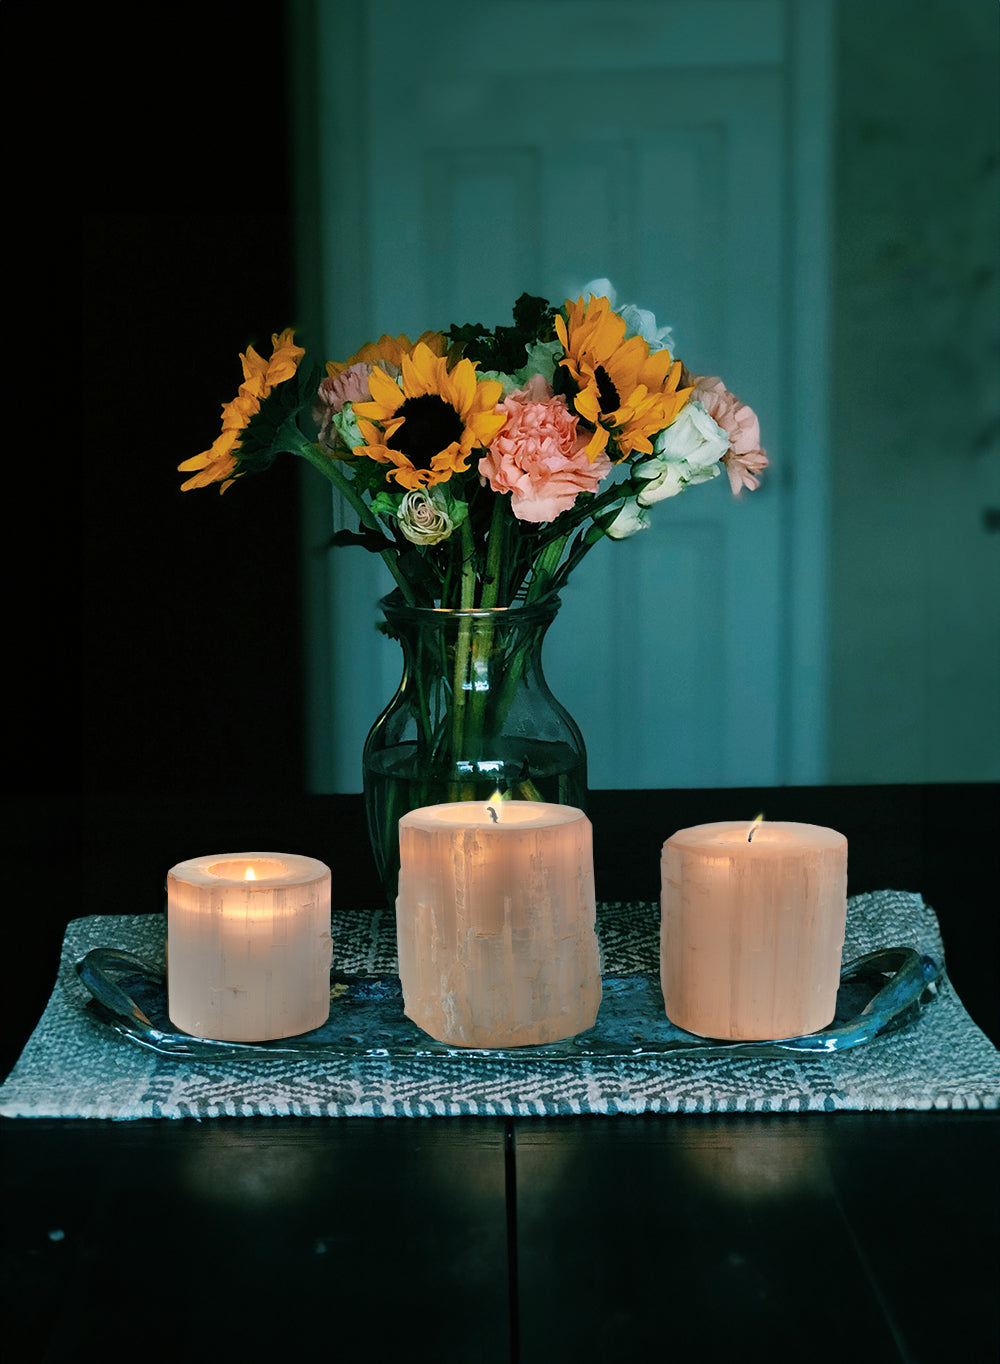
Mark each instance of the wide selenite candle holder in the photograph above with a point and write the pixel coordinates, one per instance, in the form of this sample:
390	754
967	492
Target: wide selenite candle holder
248	946
752	928
495	922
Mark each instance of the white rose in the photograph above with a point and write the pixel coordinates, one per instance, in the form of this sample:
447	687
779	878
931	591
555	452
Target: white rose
629	519
662	480
694	437
685	453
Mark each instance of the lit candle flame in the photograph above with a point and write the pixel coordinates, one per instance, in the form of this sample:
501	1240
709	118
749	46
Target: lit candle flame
754	827
250	874
494	806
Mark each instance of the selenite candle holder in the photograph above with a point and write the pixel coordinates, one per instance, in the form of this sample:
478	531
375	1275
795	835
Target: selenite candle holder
752	929
248	946
495	922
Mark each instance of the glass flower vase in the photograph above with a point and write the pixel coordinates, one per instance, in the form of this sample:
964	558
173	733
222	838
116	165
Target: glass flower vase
473	715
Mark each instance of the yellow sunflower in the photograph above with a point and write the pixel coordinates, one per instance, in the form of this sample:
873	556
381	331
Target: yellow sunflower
217	464
625	393
390	349
430	424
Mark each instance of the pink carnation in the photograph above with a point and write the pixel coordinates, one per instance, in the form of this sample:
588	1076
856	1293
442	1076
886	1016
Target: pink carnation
744	459
349	386
539	457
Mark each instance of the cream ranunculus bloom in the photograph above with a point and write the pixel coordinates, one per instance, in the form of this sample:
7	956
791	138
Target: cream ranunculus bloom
423	518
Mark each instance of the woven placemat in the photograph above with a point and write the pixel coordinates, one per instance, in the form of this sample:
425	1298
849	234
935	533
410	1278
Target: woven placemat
74	1066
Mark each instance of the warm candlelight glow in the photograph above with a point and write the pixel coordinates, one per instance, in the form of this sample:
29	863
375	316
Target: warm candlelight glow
754	827
248	869
492	814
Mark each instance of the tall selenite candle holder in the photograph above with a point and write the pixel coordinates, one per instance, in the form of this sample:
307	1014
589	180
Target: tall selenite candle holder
495	922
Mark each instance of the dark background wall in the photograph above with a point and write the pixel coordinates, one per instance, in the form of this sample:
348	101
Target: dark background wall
187	258
162	627
152	653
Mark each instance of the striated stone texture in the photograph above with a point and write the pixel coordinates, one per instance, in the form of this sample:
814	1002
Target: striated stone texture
752	933
495	924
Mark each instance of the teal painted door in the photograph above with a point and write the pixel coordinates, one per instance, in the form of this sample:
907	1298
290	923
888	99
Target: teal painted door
536	147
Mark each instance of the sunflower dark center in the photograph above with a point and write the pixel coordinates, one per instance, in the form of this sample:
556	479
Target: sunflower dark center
429	426
606	391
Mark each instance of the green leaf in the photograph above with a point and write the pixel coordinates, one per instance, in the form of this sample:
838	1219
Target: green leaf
506	348
417	563
371	540
534	318
386	504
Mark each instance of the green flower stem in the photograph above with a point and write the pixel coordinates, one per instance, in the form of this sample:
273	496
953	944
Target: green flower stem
494	557
462	648
475	637
545	577
584	545
330	470
482	637
545	567
549	576
513	672
425	740
468	585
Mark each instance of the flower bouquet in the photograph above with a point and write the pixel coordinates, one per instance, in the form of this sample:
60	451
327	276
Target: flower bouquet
483	464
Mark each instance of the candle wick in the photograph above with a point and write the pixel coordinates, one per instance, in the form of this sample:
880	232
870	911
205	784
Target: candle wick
493	813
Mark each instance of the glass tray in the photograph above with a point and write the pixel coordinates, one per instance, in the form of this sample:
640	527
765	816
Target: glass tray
878	993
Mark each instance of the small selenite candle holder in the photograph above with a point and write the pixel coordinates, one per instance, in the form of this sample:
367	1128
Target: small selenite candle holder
752	929
248	946
495	922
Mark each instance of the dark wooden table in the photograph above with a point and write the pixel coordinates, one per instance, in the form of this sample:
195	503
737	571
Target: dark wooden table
803	1237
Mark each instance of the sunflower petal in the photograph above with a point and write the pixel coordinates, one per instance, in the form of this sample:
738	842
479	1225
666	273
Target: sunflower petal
597	444
386	395
423	372
459	387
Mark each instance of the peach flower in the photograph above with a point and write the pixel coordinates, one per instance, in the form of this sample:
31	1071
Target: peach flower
540	457
350	386
744	459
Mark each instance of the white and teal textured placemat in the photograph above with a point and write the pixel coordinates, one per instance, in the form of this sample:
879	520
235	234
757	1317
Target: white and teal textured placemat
75	1066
